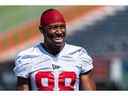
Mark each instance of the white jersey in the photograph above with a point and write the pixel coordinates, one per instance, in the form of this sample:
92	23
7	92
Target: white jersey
49	72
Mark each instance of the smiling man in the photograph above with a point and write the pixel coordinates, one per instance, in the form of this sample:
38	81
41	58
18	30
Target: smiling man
54	64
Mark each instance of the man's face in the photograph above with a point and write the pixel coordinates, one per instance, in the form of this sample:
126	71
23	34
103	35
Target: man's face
55	34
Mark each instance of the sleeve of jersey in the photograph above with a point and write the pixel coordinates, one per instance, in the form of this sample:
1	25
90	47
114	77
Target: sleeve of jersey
86	61
21	66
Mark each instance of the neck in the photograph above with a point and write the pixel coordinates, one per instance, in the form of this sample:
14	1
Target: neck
52	49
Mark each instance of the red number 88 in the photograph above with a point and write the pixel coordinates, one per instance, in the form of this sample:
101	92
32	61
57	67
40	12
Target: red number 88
49	76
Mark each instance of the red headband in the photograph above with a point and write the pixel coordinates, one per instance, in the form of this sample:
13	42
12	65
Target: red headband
51	16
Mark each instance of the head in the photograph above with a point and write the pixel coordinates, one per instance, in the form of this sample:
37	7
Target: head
53	27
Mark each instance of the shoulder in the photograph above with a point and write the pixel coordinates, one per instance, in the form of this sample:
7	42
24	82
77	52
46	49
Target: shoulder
28	53
78	52
75	48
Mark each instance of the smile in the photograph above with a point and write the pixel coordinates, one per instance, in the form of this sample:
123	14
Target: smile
58	39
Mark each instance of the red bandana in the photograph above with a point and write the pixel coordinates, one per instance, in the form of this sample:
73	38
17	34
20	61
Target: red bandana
51	16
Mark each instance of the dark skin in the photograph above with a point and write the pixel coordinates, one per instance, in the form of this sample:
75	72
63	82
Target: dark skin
54	41
54	35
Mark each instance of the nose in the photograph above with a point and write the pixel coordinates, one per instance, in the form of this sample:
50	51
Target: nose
59	30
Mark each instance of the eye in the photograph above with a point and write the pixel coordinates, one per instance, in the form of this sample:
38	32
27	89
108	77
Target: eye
49	27
52	27
62	26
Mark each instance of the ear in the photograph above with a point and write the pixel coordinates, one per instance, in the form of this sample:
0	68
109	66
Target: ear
41	29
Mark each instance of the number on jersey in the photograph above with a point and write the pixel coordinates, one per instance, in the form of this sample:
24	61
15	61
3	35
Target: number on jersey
45	80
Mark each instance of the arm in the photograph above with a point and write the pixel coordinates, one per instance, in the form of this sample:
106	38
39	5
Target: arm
86	81
22	84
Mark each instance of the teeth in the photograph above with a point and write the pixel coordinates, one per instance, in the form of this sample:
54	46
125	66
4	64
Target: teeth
58	39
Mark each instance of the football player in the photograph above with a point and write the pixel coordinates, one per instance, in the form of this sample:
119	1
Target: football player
54	64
